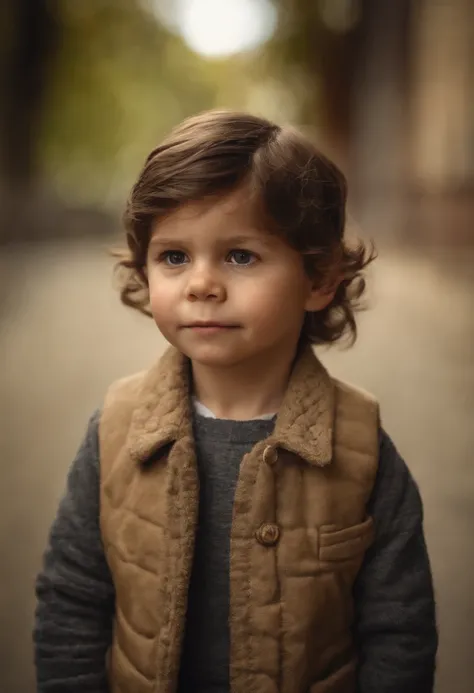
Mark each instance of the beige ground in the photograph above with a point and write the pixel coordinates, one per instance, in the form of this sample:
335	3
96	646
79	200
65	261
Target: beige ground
64	337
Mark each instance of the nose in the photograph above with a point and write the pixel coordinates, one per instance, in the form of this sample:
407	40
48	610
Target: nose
205	284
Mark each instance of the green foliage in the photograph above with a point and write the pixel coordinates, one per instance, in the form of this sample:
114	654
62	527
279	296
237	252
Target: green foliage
121	80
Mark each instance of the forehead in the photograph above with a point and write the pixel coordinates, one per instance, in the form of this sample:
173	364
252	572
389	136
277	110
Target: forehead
221	216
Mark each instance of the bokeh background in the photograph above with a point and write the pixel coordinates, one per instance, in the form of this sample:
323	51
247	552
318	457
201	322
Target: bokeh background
88	88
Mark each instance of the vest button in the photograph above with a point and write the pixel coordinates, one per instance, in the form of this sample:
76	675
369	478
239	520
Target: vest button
270	455
268	534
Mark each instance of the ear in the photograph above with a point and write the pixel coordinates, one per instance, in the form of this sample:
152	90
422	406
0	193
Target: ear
321	296
319	299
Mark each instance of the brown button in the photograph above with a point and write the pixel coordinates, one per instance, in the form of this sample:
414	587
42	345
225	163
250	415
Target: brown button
268	534
270	455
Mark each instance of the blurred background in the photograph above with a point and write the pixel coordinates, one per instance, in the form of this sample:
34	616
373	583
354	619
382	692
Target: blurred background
88	88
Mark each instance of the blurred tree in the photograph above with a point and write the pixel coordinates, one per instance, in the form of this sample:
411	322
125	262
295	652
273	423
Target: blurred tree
120	81
87	89
28	40
315	52
322	52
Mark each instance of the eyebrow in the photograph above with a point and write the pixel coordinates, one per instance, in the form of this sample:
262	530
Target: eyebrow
239	240
162	240
249	238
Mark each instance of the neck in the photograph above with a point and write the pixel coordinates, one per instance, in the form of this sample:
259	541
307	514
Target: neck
245	390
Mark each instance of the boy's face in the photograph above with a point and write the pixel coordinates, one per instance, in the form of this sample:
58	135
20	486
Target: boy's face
224	292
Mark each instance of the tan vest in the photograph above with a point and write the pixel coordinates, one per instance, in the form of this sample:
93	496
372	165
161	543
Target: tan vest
298	538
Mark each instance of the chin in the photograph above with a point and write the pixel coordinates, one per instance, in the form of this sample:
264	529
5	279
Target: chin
214	356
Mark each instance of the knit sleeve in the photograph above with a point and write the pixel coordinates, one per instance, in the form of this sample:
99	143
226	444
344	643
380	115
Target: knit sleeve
395	626
75	592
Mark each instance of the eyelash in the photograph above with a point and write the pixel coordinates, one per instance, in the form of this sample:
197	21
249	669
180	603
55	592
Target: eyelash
164	257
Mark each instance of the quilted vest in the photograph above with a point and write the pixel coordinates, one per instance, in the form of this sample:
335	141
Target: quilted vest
298	538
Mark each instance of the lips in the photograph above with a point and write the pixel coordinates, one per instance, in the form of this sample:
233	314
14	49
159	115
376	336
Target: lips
211	325
210	329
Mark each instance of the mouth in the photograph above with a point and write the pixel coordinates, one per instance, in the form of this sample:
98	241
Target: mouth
210	327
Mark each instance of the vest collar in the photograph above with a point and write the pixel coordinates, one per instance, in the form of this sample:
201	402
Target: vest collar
304	424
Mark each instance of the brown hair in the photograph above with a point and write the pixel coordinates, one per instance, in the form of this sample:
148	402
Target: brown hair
301	194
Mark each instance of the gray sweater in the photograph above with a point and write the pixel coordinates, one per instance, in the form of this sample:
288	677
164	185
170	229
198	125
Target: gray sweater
395	629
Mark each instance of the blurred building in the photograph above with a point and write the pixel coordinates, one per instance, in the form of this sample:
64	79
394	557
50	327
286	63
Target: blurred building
413	128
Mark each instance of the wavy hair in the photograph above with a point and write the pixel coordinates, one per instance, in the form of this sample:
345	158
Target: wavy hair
301	196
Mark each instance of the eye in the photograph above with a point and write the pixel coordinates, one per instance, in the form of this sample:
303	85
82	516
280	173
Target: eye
173	258
241	257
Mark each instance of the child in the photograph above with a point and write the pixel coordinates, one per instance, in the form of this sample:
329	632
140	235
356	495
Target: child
236	519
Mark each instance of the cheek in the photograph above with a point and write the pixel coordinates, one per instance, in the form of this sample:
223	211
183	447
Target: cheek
161	297
279	301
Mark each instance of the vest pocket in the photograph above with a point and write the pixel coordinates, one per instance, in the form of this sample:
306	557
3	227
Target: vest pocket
347	543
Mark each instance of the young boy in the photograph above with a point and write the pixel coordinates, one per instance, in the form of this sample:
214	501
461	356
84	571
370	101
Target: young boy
236	519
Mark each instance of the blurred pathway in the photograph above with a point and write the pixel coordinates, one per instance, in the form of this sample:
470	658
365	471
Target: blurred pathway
64	337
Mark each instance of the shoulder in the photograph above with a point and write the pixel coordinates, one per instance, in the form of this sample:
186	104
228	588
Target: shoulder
160	376
125	389
356	433
393	469
356	418
396	499
121	400
354	400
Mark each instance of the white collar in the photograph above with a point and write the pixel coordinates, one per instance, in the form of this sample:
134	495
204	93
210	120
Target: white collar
202	410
